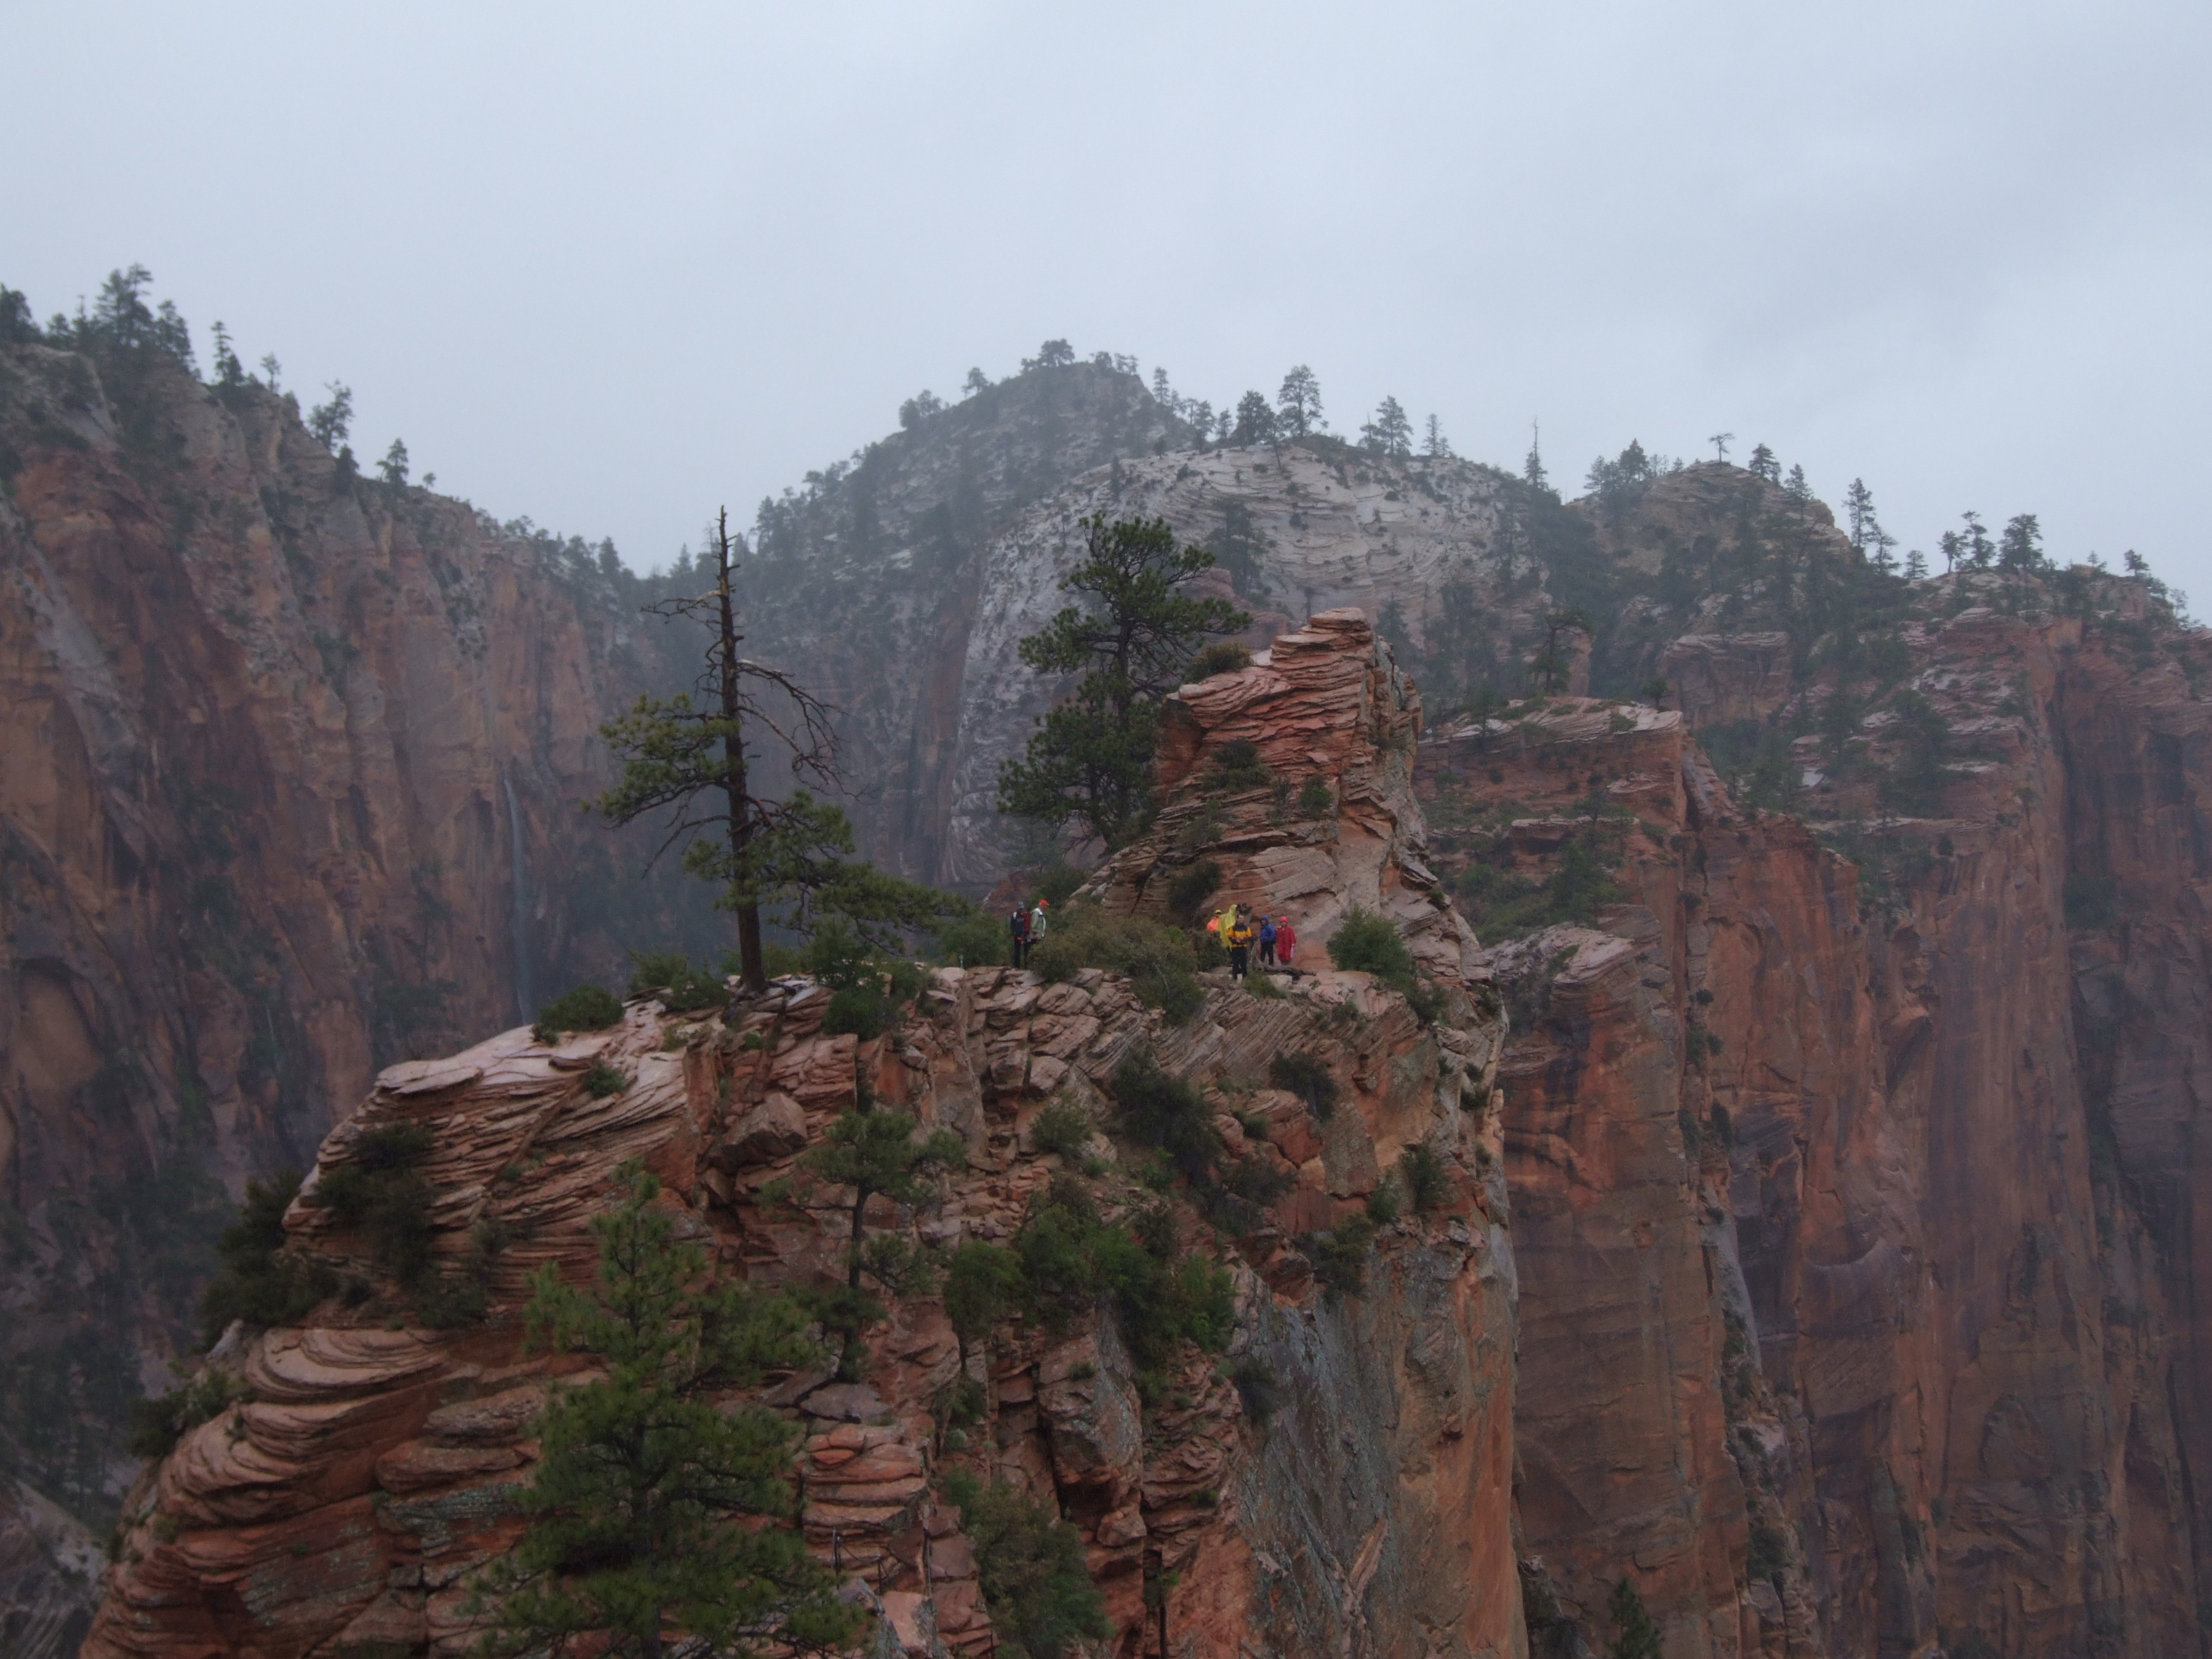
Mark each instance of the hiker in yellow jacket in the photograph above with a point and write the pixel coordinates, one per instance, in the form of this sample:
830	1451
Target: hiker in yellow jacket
1238	938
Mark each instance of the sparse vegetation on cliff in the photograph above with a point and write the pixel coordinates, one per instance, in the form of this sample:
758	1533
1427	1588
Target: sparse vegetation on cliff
1041	1601
1160	961
654	1509
260	1283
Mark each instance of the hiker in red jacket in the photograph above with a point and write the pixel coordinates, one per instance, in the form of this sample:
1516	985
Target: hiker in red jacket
1286	940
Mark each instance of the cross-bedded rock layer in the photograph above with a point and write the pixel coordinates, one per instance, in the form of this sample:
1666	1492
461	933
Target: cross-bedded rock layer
372	1466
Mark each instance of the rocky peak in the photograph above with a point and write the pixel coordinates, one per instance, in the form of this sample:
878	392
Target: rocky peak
1293	779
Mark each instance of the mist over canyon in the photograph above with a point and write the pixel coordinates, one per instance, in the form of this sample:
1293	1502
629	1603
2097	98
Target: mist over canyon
1821	950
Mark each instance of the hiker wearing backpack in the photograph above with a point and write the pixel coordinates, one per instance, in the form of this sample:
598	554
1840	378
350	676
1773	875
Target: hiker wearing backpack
1018	925
1240	947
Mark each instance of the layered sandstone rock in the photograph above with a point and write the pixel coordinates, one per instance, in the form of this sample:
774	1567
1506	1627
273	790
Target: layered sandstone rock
1325	706
1852	1192
372	1466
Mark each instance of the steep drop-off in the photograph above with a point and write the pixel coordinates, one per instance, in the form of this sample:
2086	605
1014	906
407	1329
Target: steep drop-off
371	1466
288	790
1852	1156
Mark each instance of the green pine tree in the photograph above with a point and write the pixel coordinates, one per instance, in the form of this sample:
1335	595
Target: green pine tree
657	1513
874	1152
1091	758
1634	1635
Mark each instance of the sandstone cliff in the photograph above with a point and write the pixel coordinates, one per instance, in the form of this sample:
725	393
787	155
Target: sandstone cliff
289	791
1851	1186
369	1466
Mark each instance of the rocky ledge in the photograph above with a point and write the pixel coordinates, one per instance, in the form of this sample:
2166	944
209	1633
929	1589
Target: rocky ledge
371	1465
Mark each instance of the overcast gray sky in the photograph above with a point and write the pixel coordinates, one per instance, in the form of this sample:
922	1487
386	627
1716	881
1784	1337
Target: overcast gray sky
611	266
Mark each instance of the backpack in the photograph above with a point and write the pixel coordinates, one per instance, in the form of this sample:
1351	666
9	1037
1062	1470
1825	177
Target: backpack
1018	924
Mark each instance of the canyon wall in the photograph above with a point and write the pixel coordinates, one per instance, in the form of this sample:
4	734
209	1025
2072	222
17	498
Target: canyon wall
1855	1197
290	789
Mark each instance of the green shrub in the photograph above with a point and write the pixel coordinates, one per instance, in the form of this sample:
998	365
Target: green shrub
1056	884
1189	889
1063	1129
1167	1112
1158	960
1367	942
1383	1204
603	1081
1427	1177
1221	657
1340	1256
983	1285
1257	1387
443	1300
1635	1637
966	1401
844	1312
839	957
975	940
259	1282
862	1010
157	1423
1316	799
1427	999
379	1191
1236	765
1031	1567
586	1008
1161	1297
1305	1076
682	987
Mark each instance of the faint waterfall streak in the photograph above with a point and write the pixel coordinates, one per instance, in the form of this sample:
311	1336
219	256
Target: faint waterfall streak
523	999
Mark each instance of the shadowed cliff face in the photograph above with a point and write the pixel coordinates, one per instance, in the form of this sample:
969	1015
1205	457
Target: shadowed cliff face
1854	1196
373	1464
288	790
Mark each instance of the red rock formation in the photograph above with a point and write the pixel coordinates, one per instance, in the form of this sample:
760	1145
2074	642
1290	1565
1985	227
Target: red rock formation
1326	704
1889	1123
277	738
348	1499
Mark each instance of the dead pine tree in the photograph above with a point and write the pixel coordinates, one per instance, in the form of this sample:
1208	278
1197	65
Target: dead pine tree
694	756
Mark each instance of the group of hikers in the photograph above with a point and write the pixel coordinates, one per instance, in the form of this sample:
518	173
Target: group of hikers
1027	924
1242	927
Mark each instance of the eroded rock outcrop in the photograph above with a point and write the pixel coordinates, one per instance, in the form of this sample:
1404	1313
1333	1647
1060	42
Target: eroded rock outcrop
1315	816
372	1464
1851	1197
